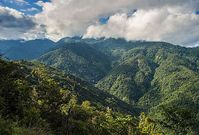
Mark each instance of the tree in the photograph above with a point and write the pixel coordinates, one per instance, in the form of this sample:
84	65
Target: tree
178	119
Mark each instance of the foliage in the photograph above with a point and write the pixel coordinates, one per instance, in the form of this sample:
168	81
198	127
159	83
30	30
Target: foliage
33	102
80	60
155	77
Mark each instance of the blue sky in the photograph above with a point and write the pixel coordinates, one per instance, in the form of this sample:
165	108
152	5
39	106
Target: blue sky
104	20
28	7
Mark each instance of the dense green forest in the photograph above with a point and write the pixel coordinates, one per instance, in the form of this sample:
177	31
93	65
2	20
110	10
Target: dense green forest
78	59
102	86
39	100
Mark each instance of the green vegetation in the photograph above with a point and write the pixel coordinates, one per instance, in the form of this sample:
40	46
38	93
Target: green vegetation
39	100
155	76
79	59
143	88
149	75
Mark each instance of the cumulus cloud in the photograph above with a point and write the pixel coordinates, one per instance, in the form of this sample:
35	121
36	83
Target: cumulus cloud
183	5
14	24
40	3
72	17
155	25
169	20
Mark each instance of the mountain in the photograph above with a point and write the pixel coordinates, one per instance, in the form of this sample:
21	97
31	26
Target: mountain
35	73
158	78
127	70
26	50
78	59
35	99
134	69
151	75
5	45
89	59
155	74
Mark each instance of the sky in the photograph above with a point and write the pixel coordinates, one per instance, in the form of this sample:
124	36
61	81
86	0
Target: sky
174	21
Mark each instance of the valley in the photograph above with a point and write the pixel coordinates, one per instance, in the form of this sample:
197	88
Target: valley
154	80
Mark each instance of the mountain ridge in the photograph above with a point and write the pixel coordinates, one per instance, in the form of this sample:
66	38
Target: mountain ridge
25	50
157	78
138	67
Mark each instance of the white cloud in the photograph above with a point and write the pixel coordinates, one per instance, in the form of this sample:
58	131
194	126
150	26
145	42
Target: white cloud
169	20
21	2
30	9
72	17
156	24
155	20
14	24
40	3
10	11
39	32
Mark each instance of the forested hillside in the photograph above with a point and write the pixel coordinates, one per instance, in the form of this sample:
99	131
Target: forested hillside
157	76
142	88
78	59
39	100
151	75
36	100
99	67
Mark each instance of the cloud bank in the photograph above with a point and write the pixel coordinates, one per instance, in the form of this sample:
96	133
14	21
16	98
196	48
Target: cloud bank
173	21
14	24
72	17
158	20
154	25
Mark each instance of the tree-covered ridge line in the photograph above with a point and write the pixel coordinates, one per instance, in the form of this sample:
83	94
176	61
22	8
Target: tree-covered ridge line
154	76
129	68
34	102
150	75
157	78
78	59
25	50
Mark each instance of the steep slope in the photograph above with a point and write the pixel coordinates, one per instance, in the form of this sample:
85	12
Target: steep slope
130	80
156	76
176	80
159	77
35	99
89	59
26	50
78	59
34	73
134	68
139	66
